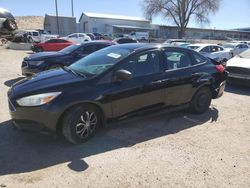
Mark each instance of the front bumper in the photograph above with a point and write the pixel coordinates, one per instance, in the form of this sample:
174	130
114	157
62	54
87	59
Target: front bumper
239	79
41	118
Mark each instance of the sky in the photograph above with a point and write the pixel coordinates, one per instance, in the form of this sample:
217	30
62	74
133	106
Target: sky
232	13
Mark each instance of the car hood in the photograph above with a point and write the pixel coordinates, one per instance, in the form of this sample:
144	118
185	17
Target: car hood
52	80
239	62
44	55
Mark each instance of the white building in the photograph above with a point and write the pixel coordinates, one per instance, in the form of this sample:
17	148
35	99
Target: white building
66	25
112	24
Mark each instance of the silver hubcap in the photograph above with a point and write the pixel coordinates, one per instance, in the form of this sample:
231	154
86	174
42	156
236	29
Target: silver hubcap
86	124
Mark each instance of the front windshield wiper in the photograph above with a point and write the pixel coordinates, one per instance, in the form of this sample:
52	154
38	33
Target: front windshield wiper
73	71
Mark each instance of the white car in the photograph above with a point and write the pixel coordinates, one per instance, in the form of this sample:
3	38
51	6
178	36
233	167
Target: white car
239	69
235	48
212	51
38	36
78	37
139	35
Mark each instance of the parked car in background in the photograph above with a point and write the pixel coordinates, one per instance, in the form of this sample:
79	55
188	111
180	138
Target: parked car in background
50	60
239	69
39	36
51	45
172	41
125	40
112	83
91	35
78	37
33	36
212	51
98	36
139	35
235	48
7	22
46	35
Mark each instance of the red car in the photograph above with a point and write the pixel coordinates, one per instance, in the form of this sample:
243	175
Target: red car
51	45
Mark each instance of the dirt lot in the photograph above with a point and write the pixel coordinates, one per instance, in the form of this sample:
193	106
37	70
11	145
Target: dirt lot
164	150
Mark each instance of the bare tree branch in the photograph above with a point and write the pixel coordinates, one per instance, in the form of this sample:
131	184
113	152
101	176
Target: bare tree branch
181	11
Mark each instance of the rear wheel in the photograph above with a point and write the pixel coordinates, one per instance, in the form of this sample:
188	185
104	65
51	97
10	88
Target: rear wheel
81	123
10	25
39	49
201	100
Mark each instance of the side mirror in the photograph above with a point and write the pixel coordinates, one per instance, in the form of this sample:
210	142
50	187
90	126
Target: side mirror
123	75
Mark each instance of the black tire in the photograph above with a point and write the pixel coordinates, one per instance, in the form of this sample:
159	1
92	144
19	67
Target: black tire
10	25
38	49
77	127
201	100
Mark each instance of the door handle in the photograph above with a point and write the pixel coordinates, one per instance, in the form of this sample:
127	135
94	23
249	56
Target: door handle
160	81
156	82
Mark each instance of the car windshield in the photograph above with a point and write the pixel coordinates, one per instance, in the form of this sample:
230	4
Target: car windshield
70	49
245	54
227	45
99	61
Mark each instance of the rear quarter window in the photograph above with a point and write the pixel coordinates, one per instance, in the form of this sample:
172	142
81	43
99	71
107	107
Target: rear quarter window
198	59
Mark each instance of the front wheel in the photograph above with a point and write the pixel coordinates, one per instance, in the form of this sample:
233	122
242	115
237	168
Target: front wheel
81	123
201	100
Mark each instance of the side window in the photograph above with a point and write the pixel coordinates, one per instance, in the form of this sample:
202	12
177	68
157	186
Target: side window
52	41
214	49
220	48
198	59
206	49
73	36
177	59
81	35
244	46
86	50
143	64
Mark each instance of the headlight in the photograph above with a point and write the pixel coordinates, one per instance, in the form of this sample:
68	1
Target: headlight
36	100
36	63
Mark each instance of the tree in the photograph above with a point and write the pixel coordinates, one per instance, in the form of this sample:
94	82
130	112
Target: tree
181	11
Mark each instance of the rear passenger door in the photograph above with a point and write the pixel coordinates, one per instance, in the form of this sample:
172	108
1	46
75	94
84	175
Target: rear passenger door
179	72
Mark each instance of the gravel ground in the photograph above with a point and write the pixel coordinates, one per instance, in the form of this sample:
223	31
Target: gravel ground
174	149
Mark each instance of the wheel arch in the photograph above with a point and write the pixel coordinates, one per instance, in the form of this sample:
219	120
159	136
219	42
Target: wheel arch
98	106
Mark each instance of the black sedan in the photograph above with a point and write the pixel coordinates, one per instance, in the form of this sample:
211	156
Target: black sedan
113	83
50	60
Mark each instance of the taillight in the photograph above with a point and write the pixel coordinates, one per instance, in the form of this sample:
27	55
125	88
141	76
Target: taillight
220	68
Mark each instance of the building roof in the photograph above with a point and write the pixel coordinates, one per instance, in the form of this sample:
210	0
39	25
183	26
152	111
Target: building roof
111	16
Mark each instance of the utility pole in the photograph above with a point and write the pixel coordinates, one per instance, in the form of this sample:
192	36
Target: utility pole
72	7
57	19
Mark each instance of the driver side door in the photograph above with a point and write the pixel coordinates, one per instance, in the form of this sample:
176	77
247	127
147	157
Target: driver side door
144	90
